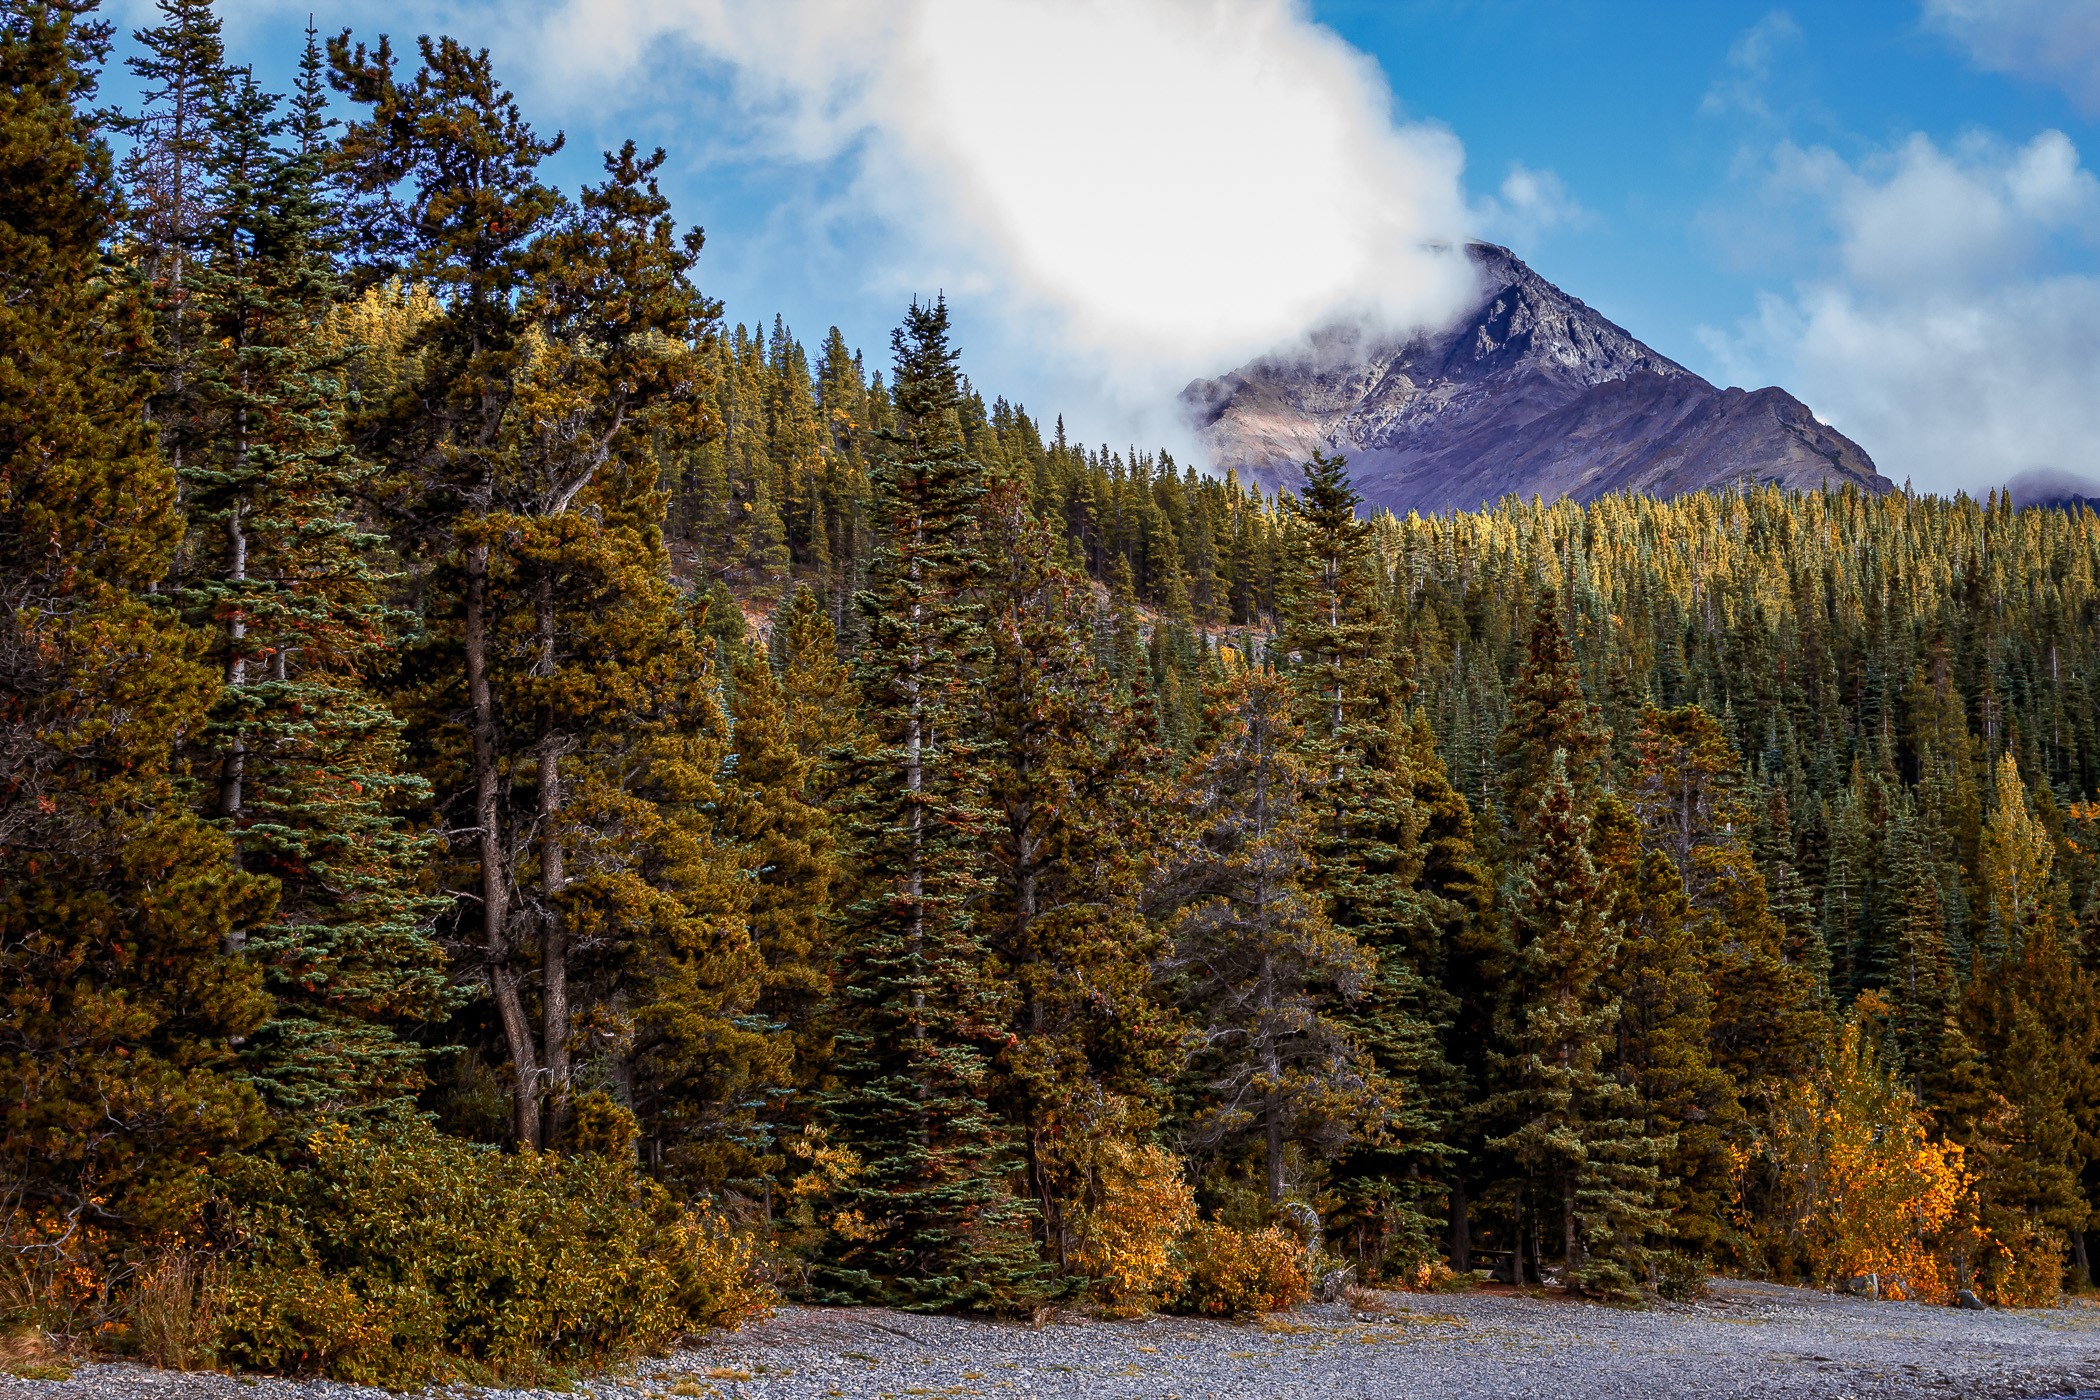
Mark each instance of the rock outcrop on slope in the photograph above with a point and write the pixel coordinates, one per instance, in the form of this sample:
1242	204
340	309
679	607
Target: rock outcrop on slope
1531	393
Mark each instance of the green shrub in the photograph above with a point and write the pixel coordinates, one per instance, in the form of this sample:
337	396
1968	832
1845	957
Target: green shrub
1680	1277
1242	1271
403	1256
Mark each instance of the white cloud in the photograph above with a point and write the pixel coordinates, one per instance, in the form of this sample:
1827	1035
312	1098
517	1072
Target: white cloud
1531	203
1951	333
1752	60
1147	189
2048	41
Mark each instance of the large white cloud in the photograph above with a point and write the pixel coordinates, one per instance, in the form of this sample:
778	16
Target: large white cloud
1146	190
1949	330
2049	41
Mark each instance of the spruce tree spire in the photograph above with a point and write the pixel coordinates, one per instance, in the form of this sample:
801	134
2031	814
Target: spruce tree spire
920	1023
119	907
1578	1132
1548	713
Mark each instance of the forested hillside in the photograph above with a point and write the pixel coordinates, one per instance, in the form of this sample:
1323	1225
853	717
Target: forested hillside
511	789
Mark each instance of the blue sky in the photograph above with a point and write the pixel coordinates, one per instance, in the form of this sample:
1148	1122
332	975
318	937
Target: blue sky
1884	205
1637	107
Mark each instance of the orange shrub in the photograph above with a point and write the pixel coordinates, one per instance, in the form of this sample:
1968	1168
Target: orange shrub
1129	1237
1243	1271
1861	1188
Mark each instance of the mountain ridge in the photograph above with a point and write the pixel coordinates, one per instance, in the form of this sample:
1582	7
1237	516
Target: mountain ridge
1531	392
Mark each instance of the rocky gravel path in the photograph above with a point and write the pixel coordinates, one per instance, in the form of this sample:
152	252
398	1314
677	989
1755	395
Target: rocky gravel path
1747	1340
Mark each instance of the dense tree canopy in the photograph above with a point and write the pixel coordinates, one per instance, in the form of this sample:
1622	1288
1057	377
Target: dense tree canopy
449	672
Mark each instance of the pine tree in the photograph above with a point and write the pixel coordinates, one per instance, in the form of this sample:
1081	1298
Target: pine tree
520	467
182	67
1067	777
1578	1139
795	849
1919	978
1260	970
1351	690
1690	1107
1474	958
1686	791
308	763
2016	857
919	1022
2034	1023
118	905
474	208
1549	713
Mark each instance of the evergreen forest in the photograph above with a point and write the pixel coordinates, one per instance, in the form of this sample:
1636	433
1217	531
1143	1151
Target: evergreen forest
514	788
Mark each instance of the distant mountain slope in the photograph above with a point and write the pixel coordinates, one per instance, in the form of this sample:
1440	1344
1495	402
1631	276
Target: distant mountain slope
1532	393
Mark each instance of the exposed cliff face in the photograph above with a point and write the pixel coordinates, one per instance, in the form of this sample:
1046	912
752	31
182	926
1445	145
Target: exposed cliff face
1532	393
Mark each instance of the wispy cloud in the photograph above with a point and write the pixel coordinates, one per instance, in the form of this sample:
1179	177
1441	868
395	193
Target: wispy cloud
1949	329
1753	60
2056	42
1529	204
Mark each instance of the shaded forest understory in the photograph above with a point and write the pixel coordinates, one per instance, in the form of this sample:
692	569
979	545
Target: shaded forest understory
512	789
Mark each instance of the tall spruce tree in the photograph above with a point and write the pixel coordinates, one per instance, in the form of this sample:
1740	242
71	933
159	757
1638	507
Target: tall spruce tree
1549	713
1262	973
307	761
1351	688
919	1023
1578	1140
119	906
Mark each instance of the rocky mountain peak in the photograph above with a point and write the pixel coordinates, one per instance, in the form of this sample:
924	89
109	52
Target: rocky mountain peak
1531	392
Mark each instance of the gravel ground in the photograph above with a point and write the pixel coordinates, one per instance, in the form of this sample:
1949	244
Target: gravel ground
1746	1340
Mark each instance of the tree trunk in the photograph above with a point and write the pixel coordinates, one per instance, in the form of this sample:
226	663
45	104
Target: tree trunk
554	946
1516	1243
1571	1246
1273	1110
233	770
495	877
2085	1271
915	877
554	950
1272	1068
1461	1228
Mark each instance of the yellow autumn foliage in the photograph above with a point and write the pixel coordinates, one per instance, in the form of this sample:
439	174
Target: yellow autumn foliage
1243	1271
1861	1187
401	1257
1129	1239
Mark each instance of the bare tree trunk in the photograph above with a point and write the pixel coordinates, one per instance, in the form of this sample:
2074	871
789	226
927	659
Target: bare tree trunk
233	768
1516	1243
915	823
554	944
1461	1227
495	876
1271	1066
1272	1109
1571	1245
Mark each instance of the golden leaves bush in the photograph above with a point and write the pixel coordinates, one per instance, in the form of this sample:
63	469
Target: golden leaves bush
1243	1271
1129	1237
405	1257
1137	1238
1860	1188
